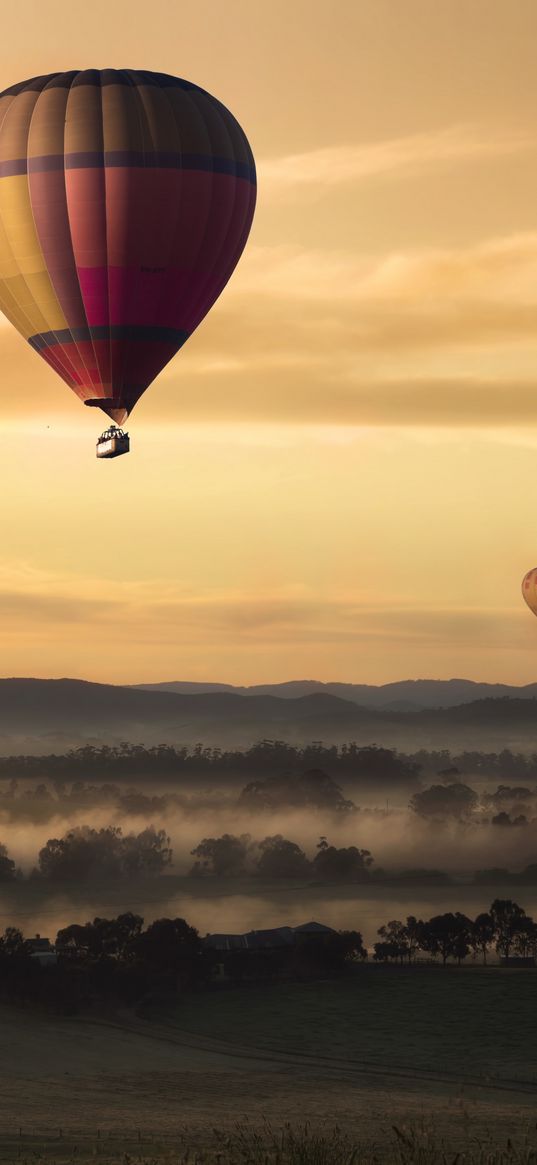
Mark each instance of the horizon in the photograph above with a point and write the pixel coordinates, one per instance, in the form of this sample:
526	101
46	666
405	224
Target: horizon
274	683
335	468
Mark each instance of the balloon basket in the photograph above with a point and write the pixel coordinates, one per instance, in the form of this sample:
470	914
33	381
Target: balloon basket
113	442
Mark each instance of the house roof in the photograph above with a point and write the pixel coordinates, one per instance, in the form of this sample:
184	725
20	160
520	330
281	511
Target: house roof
268	939
314	928
225	942
38	944
279	936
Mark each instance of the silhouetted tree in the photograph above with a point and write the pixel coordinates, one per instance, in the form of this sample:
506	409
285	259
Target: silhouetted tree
313	789
223	857
86	854
482	934
442	801
394	936
447	935
506	916
348	864
12	941
525	939
7	866
171	945
281	858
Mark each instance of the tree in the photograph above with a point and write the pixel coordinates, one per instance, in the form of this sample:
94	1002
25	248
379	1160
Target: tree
7	866
395	936
76	939
282	859
147	853
384	951
222	857
457	800
85	854
447	935
171	945
525	939
81	855
482	934
12	941
506	916
313	789
413	930
348	864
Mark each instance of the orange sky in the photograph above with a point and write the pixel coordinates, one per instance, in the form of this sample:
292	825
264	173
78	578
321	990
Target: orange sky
335	477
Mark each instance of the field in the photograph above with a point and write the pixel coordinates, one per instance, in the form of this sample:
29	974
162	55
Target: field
390	1046
468	1022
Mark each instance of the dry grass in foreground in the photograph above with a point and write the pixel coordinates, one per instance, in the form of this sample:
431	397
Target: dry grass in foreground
417	1144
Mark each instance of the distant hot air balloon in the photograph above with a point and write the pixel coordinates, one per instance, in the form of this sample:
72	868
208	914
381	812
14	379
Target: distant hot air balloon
126	199
529	589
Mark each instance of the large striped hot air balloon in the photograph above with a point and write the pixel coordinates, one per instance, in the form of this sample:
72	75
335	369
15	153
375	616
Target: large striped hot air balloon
126	198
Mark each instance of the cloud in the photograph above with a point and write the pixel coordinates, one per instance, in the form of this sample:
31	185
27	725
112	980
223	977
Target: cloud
502	269
320	170
160	610
292	398
431	336
118	632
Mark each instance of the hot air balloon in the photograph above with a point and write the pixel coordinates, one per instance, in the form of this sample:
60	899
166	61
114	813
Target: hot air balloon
529	589
126	199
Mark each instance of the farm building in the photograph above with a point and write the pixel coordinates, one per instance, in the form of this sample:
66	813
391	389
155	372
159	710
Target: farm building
42	950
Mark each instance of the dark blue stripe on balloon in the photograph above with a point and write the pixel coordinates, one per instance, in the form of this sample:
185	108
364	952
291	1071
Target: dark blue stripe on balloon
131	332
154	160
17	166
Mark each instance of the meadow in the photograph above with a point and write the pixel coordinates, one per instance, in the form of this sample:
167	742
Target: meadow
444	1056
466	1024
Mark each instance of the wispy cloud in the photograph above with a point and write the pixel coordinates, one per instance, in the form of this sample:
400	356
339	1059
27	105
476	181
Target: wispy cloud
285	615
430	336
405	157
225	632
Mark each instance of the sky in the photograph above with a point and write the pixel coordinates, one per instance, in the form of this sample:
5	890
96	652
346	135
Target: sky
335	478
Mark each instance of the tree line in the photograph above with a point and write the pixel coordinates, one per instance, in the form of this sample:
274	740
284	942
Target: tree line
266	758
311	789
505	927
85	854
119	959
366	763
509	805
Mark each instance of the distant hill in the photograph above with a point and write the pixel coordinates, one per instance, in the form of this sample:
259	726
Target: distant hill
404	695
52	715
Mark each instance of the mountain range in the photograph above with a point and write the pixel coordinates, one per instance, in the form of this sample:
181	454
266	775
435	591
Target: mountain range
401	696
41	716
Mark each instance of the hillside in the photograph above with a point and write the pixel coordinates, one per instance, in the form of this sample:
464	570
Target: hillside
404	695
48	715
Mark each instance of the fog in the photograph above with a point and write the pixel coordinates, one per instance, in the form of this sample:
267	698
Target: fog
396	837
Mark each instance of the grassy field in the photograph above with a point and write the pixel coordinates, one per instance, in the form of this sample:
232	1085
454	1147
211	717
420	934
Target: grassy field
420	1144
466	1022
447	1057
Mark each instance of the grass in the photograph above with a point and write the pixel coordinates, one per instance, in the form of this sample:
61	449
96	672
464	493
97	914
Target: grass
413	1145
471	1022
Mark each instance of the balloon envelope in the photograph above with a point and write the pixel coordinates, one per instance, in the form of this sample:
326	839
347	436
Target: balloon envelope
126	199
529	589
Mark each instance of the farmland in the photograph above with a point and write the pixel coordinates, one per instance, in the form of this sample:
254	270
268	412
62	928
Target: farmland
387	1046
